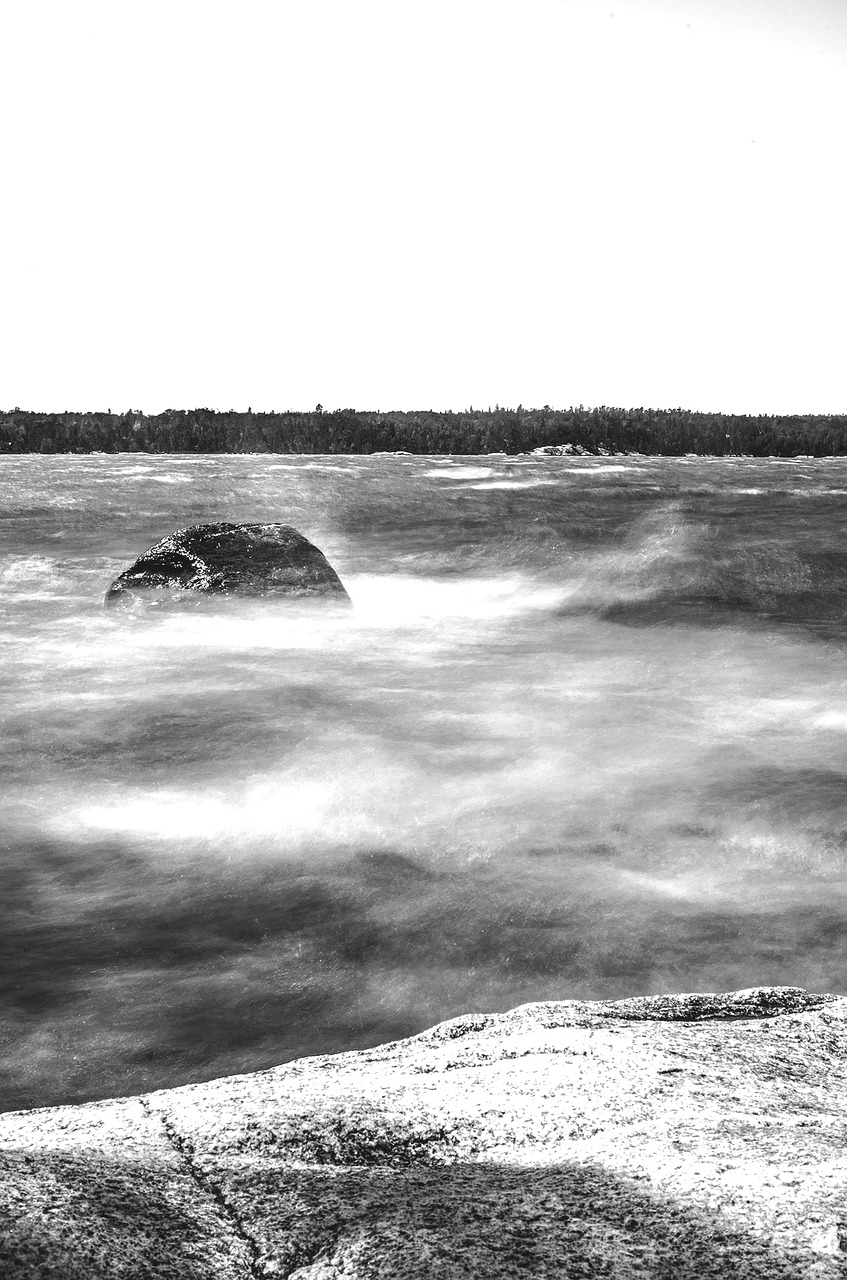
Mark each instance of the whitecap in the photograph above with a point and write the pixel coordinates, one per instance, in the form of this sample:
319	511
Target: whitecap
831	720
37	572
507	484
594	467
458	472
389	600
260	811
589	470
309	466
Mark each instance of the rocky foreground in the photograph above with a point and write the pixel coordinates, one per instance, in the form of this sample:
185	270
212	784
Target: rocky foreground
668	1136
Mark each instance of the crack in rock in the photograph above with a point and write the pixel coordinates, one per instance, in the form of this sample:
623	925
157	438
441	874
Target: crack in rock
184	1150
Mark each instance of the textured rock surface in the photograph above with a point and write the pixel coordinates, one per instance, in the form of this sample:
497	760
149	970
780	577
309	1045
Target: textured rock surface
672	1136
231	559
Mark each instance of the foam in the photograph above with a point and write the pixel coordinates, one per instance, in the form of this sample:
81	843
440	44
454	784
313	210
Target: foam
458	472
508	484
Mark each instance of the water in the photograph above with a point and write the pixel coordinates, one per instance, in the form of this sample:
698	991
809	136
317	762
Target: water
583	735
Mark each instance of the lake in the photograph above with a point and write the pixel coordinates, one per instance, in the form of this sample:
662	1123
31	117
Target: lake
584	734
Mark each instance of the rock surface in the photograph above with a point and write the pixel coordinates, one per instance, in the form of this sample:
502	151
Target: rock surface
673	1136
233	559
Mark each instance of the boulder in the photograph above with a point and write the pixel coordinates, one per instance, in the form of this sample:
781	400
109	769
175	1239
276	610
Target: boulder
258	560
699	1137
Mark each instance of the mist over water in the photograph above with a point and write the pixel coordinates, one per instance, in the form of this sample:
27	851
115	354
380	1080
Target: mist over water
583	734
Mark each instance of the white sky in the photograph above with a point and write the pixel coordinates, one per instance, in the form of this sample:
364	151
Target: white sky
423	204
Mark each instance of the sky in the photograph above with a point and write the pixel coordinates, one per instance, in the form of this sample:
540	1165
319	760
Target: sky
401	204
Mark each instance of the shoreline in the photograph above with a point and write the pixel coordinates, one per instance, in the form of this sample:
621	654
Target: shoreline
691	1134
432	433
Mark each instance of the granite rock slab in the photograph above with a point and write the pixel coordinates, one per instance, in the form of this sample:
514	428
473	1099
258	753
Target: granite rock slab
694	1135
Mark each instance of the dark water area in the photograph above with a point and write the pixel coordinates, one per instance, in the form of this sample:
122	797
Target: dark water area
582	735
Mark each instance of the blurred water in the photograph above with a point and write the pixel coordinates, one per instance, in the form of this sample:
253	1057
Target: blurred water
582	735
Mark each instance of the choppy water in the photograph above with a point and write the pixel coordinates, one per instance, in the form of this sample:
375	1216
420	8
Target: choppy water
583	735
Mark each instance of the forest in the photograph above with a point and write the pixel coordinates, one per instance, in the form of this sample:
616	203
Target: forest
599	430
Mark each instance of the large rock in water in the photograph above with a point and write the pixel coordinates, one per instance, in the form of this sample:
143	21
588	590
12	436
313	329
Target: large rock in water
263	560
680	1137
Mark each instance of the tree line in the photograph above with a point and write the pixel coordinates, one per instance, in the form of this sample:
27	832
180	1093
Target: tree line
472	431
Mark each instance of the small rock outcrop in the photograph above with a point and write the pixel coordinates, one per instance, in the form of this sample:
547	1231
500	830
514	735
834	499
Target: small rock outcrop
561	450
257	560
678	1137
